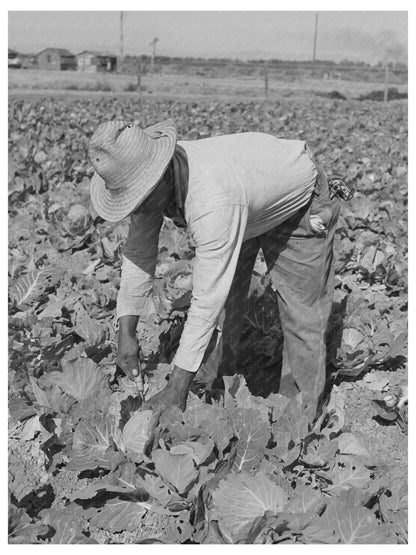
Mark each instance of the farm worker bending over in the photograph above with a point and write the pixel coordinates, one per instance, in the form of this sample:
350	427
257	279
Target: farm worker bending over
235	194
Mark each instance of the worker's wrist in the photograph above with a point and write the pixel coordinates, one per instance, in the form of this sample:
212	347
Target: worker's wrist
127	325
181	380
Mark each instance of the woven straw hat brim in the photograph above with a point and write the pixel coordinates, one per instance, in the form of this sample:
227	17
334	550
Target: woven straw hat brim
114	205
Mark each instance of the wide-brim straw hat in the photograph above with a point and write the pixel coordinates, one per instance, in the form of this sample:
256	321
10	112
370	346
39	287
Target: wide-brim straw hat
129	162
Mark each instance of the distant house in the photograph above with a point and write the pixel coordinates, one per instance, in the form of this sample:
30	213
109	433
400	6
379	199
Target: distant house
90	60
14	59
29	61
56	58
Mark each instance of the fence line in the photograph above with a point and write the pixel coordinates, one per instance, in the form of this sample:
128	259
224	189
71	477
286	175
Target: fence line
161	62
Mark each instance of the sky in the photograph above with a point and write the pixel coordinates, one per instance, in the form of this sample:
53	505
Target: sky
364	36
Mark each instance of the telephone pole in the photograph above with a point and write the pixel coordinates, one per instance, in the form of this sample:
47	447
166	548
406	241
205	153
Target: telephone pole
266	79
386	82
315	39
120	62
153	44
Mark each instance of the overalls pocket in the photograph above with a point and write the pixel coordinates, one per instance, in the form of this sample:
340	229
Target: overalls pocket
323	211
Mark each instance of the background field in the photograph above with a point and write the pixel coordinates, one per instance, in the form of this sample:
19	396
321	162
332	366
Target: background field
182	85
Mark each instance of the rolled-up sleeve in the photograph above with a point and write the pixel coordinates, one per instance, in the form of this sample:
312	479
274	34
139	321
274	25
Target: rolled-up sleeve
217	236
139	264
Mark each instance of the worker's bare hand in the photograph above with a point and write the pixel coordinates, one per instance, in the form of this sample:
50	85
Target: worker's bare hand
127	355
174	394
166	399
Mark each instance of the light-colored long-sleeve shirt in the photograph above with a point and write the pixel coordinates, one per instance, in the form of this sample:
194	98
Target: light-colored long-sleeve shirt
240	186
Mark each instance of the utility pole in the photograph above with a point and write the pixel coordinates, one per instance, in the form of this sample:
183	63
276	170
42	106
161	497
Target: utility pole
386	83
153	43
315	39
139	74
266	79
120	63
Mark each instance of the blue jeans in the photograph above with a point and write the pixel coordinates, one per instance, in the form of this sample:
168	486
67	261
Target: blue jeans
301	265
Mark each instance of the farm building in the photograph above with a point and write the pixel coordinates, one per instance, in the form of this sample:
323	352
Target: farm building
14	59
56	58
90	60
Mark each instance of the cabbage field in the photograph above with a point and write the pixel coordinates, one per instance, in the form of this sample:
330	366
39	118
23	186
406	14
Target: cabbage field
241	464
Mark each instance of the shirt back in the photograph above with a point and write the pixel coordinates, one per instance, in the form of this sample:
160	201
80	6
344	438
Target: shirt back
272	177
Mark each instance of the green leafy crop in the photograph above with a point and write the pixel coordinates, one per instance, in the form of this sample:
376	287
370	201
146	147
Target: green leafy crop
234	467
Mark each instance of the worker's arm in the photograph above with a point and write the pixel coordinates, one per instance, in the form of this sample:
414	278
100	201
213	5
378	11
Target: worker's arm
136	285
218	236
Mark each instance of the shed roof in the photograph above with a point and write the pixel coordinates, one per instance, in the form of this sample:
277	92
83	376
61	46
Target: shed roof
98	54
60	51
